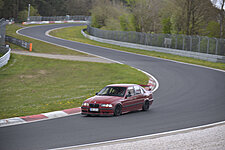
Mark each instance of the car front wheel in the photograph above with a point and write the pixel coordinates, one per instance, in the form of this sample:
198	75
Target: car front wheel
145	106
118	110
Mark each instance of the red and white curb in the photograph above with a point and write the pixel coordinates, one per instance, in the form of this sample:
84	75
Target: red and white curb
44	116
47	22
56	114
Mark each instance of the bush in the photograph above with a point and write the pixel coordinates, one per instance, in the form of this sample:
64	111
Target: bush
22	16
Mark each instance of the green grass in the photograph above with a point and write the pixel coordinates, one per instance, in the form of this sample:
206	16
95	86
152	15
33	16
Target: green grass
38	46
74	34
33	85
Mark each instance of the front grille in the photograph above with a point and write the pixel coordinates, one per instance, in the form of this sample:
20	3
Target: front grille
94	105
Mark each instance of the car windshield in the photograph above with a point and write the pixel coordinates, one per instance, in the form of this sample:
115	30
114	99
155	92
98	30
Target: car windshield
112	91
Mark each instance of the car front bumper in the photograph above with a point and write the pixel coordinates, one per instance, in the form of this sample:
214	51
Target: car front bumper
101	112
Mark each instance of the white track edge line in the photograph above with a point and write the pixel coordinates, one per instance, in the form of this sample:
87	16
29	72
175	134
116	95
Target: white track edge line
151	76
151	136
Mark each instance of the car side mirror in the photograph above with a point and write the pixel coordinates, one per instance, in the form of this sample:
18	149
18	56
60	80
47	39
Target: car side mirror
96	93
128	95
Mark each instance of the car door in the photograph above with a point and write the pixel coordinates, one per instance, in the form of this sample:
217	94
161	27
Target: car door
129	101
139	97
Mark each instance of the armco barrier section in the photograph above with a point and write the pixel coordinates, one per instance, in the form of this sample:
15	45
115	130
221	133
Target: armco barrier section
47	22
200	44
202	56
5	58
18	42
57	18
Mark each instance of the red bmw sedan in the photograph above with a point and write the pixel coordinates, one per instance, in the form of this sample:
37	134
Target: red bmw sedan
116	99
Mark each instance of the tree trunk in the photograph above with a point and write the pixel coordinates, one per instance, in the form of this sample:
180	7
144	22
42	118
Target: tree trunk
188	3
222	19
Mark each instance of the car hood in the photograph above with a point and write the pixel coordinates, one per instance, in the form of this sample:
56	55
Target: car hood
103	99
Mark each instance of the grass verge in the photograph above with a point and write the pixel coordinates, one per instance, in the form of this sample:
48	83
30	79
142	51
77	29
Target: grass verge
74	34
38	46
33	85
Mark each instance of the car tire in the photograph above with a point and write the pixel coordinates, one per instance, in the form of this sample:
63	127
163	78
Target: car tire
145	106
117	110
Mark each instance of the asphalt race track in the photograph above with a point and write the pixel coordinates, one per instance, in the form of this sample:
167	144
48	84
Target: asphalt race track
188	96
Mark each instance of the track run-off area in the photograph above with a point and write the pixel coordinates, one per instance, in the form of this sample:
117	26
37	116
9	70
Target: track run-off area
188	96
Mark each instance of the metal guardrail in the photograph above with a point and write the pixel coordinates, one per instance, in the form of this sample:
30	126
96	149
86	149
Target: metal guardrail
56	18
19	42
5	58
199	44
5	50
202	56
3	23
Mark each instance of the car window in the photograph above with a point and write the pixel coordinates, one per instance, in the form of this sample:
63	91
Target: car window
142	90
112	91
130	92
137	90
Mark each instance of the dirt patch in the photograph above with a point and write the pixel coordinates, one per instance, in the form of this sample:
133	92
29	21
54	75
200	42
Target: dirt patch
42	72
27	76
38	74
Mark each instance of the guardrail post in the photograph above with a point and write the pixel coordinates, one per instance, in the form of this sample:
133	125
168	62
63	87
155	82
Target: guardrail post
216	52
190	43
146	39
183	42
207	45
199	42
176	42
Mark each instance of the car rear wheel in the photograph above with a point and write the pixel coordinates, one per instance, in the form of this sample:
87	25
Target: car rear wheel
118	110
145	106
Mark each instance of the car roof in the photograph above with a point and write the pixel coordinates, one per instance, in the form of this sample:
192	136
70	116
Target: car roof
122	85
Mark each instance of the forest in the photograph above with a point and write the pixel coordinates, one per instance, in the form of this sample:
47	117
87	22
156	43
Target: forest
189	17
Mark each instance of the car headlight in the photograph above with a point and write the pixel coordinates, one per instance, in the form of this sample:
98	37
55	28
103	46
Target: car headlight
85	104
106	105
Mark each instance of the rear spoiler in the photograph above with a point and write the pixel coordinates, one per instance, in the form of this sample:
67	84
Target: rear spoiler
146	87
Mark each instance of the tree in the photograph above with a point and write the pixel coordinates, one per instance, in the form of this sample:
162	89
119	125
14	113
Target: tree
127	22
190	16
110	15
213	29
1	6
99	13
146	14
222	17
78	7
166	25
22	16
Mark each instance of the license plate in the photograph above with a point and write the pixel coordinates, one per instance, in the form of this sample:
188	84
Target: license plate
94	109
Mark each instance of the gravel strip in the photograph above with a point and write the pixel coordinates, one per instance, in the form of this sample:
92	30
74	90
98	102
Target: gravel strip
64	57
206	139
